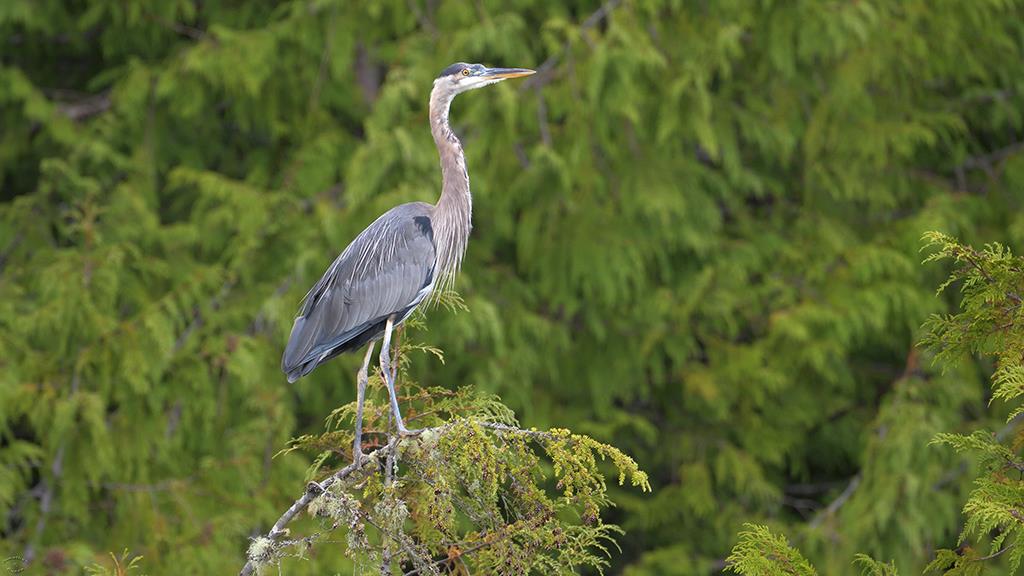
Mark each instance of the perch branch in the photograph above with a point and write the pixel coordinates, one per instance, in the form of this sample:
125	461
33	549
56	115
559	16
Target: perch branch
370	462
277	531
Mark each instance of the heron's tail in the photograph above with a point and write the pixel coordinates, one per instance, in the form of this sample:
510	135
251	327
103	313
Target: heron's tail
296	373
295	362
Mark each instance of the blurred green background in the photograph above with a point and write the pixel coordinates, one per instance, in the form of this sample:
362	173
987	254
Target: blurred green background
696	238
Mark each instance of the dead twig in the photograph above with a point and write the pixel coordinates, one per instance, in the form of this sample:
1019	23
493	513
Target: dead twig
543	71
86	107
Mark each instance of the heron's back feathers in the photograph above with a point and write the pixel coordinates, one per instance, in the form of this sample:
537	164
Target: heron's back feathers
387	270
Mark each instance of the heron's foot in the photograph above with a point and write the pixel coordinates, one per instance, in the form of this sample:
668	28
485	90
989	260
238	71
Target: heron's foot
407	433
315	488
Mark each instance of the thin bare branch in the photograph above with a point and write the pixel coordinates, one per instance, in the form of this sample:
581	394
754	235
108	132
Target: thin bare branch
86	107
422	17
366	466
47	486
484	541
179	28
995	554
369	463
543	75
542	119
836	504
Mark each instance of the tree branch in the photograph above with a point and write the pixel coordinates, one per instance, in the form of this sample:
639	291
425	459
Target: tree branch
484	541
542	76
47	487
179	28
86	107
422	18
542	119
15	242
995	554
985	161
312	491
836	504
371	462
197	316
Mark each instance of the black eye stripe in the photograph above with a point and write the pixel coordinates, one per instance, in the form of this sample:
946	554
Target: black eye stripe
453	69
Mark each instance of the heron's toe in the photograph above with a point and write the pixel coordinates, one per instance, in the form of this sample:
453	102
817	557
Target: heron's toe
315	488
405	432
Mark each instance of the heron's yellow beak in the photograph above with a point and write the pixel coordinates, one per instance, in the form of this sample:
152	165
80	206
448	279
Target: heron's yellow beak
502	73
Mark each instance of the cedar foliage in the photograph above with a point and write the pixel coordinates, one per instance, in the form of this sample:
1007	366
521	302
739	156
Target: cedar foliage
989	323
468	494
696	239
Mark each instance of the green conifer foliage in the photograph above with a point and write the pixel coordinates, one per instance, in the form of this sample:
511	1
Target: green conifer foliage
468	493
696	239
762	553
988	323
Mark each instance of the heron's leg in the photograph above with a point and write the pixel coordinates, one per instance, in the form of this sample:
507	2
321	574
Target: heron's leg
385	368
361	380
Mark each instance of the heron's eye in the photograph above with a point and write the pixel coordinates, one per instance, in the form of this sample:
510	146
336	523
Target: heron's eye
465	71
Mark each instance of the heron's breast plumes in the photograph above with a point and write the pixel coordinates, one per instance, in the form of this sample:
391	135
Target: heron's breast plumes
452	215
452	222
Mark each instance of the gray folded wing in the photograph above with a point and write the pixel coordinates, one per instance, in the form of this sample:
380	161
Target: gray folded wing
387	270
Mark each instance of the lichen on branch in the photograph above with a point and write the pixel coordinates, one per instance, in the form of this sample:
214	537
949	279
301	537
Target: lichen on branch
472	488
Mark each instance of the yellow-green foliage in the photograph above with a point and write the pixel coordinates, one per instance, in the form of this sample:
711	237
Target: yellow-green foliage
871	567
696	238
990	323
469	489
759	552
122	565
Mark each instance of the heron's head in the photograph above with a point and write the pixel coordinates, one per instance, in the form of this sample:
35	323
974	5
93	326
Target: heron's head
460	77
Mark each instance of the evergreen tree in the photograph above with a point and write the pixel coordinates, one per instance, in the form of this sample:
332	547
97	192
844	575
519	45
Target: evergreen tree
989	323
696	239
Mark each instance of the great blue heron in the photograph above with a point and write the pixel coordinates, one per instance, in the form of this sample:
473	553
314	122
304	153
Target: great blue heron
396	262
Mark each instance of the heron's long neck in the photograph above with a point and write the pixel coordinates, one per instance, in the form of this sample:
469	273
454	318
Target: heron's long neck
453	212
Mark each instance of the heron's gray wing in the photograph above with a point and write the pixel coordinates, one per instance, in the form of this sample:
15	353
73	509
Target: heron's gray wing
388	269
